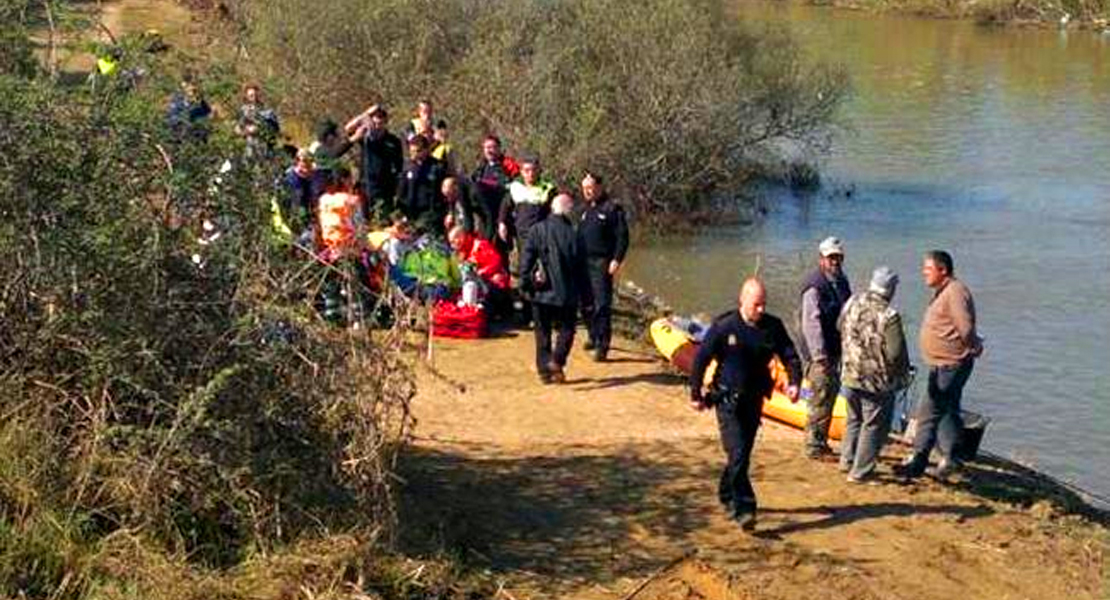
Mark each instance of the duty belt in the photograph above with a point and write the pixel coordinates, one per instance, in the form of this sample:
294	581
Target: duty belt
722	396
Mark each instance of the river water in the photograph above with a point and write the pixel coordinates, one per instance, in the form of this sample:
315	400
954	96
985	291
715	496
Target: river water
991	143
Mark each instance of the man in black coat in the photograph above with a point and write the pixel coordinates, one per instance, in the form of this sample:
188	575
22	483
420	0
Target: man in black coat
553	272
420	194
382	160
604	232
491	180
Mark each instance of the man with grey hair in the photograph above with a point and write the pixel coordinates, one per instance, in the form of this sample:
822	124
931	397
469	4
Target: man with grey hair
875	364
824	293
553	273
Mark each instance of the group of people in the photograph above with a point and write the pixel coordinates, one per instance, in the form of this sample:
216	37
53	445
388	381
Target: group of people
412	189
408	215
852	345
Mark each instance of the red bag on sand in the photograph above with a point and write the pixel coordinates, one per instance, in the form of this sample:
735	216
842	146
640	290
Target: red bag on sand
453	321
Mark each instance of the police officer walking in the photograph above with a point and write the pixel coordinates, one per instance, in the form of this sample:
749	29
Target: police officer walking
604	232
743	342
824	293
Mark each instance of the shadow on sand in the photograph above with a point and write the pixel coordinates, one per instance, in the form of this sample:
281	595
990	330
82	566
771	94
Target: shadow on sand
562	518
836	516
595	514
659	379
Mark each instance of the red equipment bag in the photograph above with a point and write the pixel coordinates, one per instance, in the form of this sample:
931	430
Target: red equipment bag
452	321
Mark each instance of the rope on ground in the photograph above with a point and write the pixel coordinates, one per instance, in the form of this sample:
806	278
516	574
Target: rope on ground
650	578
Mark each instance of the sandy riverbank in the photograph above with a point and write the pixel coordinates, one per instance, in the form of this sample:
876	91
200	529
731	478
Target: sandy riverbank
585	490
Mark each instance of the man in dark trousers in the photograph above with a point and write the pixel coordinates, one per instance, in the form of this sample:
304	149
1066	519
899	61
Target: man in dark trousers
743	342
382	160
553	272
950	344
527	204
604	232
824	293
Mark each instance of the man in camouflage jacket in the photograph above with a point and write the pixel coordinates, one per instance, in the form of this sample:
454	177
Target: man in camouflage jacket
875	365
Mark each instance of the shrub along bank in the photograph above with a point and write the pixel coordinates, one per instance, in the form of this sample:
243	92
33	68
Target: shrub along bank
178	428
677	102
172	427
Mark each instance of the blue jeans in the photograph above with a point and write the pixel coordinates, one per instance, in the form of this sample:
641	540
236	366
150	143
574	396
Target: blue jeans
938	417
865	432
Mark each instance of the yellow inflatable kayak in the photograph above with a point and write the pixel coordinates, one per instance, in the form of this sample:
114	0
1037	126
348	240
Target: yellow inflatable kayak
677	345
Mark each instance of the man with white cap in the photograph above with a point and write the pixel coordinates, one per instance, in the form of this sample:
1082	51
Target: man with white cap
875	364
824	293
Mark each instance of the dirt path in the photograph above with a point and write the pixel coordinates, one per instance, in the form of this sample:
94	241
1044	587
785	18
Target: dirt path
587	489
174	23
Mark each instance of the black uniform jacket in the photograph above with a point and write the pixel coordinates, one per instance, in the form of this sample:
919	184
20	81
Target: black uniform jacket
743	353
604	229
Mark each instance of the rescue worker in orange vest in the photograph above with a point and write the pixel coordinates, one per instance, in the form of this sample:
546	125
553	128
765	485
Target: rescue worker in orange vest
342	246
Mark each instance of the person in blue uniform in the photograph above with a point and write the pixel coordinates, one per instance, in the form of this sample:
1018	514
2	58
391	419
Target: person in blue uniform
743	342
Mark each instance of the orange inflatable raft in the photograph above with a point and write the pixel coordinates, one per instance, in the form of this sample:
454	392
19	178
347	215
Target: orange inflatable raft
678	346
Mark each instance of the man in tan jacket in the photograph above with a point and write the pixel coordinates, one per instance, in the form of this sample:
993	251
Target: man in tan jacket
949	346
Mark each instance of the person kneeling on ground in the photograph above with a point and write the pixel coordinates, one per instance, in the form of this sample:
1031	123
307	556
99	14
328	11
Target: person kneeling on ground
487	264
459	209
743	343
553	273
874	366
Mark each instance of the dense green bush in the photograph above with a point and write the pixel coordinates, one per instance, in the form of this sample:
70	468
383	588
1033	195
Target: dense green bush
201	406
16	49
672	98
